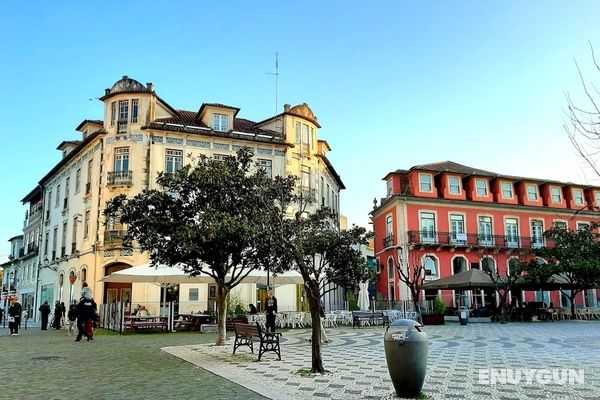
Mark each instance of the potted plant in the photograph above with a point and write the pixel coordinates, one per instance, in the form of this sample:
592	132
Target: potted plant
436	317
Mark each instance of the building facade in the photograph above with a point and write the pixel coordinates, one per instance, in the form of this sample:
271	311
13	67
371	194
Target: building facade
140	136
451	218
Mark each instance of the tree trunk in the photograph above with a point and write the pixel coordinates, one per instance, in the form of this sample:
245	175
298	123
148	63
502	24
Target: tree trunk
417	310
222	294
314	301
572	298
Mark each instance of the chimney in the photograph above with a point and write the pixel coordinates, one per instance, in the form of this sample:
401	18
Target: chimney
106	91
286	108
125	77
150	87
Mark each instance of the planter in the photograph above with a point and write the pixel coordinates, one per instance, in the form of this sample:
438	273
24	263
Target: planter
433	319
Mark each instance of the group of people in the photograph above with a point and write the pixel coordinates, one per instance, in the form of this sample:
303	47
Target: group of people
59	315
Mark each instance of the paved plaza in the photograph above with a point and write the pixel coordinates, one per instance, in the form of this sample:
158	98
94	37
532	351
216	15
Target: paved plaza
357	367
48	365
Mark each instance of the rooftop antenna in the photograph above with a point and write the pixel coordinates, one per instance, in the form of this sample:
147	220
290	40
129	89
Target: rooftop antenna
276	73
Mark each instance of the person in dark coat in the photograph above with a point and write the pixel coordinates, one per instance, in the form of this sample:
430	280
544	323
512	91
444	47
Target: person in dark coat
63	314
57	316
45	311
14	316
271	310
252	309
86	314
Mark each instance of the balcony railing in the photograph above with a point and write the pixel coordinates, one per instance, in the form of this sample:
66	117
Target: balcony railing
119	178
388	241
114	237
435	238
32	248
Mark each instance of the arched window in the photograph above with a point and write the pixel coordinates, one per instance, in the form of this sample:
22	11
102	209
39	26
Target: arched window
459	264
488	264
391	272
430	265
512	264
83	275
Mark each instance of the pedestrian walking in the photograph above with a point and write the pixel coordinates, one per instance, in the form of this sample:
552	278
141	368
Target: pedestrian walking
72	316
57	316
86	314
14	316
45	312
63	313
271	311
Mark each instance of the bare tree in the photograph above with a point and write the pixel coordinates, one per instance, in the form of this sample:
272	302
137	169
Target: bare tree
412	275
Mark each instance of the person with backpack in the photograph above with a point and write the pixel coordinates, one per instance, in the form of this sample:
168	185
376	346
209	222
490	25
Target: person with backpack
86	314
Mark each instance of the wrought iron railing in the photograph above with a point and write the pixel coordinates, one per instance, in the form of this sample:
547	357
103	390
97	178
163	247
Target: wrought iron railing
119	178
388	241
122	126
436	238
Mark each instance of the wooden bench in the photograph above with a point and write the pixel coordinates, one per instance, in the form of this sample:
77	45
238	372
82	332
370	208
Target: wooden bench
373	318
135	325
247	334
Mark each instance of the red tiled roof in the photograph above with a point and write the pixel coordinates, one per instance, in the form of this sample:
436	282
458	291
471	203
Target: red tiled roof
451	166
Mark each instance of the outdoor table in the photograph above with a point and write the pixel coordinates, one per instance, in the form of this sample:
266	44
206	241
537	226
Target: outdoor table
196	320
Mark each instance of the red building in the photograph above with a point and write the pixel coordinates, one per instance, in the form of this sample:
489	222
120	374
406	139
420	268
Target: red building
452	218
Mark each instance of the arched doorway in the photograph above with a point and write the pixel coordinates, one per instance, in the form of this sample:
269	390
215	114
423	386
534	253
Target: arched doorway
116	291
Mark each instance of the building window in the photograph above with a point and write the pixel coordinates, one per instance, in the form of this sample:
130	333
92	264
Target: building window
560	224
54	241
512	232
488	265
298	132
389	187
77	180
388	225
582	225
532	192
507	190
481	187
121	159
428	234
391	271
597	196
486	236
113	113
267	166
134	111
57	203
220	157
305	135
454	184
556	197
86	225
67	186
74	240
322	192
123	111
578	196
537	233
89	171
46	243
305	178
425	182
430	265
63	249
174	160
457	229
193	294
221	122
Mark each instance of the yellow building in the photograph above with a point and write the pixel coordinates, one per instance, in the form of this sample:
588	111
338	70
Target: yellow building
141	135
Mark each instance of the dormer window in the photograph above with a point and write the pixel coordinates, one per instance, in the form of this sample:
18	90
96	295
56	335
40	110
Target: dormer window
532	192
389	187
578	196
454	184
425	182
481	187
507	190
221	122
556	196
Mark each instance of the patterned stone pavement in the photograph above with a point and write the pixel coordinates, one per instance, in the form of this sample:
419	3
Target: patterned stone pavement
357	367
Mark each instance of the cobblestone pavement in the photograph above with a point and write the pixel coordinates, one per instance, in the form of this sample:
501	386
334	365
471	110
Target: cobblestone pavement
49	365
357	367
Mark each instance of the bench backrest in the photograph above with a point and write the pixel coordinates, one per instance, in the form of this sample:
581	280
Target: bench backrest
247	330
367	314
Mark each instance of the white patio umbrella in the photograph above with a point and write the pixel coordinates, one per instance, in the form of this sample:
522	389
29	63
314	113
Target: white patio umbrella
363	295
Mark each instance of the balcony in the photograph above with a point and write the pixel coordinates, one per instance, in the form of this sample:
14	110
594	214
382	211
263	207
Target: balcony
471	240
120	178
122	126
32	248
388	241
114	237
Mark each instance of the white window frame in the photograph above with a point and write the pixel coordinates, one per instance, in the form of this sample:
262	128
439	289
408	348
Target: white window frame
135	104
581	224
554	193
113	113
537	233
597	198
457	220
77	180
512	238
173	160
422	183
457	186
482	191
485	238
510	189
389	187
580	197
427	234
266	165
436	264
86	224
559	223
530	193
123	111
121	159
221	122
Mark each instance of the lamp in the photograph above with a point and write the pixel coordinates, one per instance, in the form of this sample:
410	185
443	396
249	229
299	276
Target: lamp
46	264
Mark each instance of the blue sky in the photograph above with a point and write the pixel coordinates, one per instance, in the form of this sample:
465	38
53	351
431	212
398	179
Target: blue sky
394	84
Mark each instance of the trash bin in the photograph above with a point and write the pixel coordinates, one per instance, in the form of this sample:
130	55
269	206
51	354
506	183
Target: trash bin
406	355
463	315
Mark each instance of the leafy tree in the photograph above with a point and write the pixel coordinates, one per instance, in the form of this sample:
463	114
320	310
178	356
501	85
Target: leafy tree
210	217
323	254
575	258
504	283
